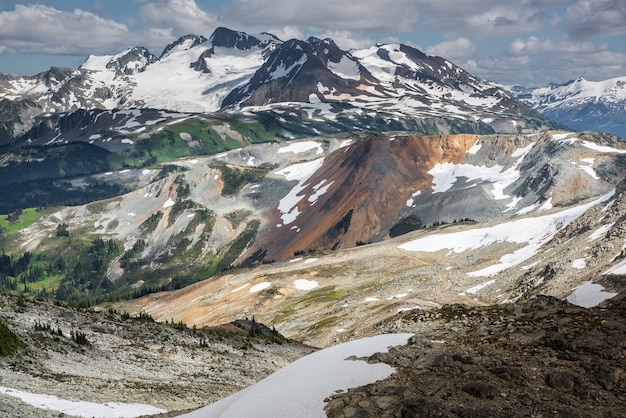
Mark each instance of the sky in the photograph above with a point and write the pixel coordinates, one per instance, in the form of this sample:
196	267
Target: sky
528	42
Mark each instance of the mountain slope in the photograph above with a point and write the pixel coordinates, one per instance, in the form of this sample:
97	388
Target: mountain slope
199	217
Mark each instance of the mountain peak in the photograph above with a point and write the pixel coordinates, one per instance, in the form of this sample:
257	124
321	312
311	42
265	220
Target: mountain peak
183	43
131	61
228	38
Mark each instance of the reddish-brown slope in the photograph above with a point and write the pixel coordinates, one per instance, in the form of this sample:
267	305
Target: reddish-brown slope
373	178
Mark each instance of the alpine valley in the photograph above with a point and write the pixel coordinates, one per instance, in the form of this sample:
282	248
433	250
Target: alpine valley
176	228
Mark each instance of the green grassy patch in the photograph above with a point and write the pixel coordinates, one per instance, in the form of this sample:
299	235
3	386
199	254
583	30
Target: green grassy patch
236	217
235	178
325	294
27	218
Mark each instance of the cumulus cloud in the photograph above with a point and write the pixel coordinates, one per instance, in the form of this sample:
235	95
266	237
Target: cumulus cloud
179	17
346	40
536	46
39	29
455	50
589	19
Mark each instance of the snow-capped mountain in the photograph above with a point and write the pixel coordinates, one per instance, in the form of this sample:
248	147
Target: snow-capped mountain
233	71
581	104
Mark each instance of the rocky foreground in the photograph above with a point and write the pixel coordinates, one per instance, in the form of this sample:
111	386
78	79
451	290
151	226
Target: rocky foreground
102	357
541	358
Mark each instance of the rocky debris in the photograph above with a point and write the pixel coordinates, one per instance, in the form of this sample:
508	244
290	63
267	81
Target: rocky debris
106	356
544	357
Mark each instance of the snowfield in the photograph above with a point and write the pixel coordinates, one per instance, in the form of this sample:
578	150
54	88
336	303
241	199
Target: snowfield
81	408
299	389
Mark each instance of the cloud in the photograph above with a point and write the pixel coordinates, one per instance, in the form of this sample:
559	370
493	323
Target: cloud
39	29
346	40
536	46
320	15
179	17
537	62
454	50
588	19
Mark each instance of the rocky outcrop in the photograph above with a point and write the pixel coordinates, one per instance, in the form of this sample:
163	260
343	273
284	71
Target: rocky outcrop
541	358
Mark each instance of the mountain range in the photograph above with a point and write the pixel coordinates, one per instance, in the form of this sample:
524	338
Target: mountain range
236	72
581	104
240	180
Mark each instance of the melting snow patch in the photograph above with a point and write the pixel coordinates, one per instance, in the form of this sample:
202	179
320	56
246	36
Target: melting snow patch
320	189
411	201
619	268
579	263
475	148
300	173
259	287
310	260
589	167
293	260
303	284
240	288
371	299
535	232
478	287
589	295
168	204
298	147
564	137
299	389
81	408
598	233
127	141
600	148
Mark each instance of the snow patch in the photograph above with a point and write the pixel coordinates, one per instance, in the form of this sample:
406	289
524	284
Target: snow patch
259	287
298	147
589	295
534	231
82	408
579	263
601	148
478	287
598	233
299	389
475	148
240	288
303	284
168	204
300	173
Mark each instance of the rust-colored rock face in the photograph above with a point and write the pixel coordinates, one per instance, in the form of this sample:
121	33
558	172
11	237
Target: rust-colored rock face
371	181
